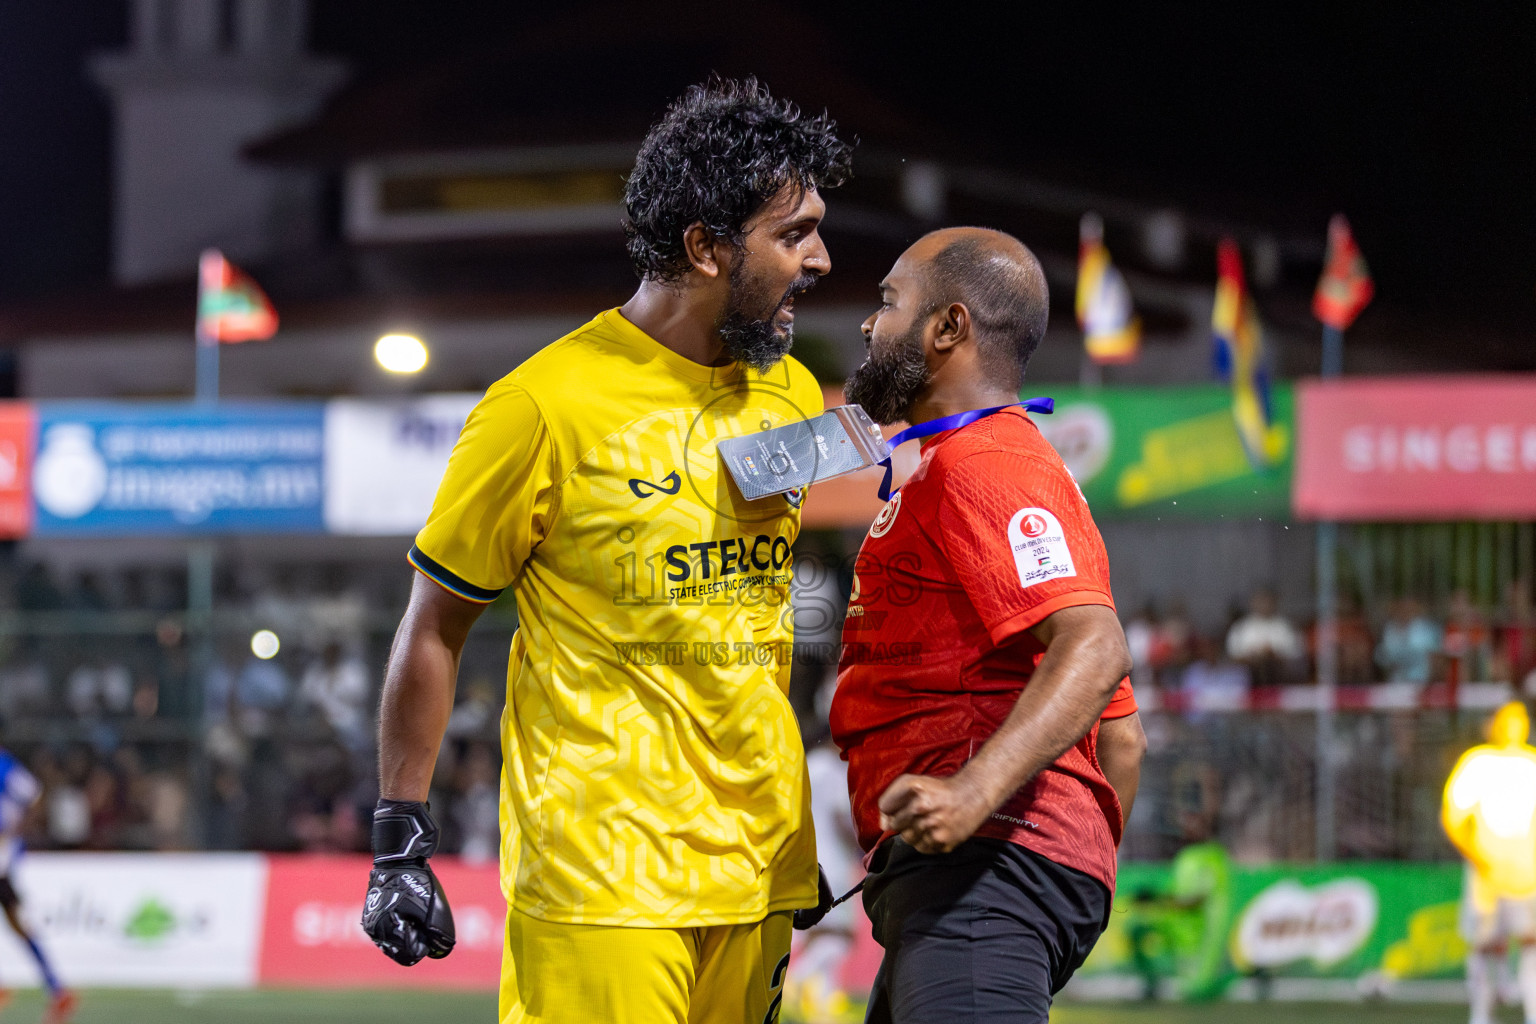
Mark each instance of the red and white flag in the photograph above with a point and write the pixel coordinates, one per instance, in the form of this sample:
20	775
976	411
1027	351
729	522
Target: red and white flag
1345	287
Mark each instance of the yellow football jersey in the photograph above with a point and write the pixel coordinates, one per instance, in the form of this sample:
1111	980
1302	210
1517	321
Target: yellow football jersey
654	775
1490	806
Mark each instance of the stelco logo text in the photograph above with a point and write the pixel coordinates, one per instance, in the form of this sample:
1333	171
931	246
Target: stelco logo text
711	568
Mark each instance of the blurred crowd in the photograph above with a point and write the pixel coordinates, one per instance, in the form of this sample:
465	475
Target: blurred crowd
1405	643
1249	780
148	731
148	735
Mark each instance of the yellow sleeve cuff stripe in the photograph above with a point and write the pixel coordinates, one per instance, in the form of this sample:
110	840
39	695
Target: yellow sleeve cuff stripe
445	578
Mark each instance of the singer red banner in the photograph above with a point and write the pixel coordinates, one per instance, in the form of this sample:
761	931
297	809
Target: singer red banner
1416	448
311	936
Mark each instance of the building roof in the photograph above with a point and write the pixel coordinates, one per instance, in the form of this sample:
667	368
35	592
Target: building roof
556	85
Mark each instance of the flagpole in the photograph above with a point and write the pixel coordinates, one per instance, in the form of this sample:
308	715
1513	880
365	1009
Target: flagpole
202	554
207	385
1343	291
1327	642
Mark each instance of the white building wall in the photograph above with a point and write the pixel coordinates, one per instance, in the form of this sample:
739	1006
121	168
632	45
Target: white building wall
192	90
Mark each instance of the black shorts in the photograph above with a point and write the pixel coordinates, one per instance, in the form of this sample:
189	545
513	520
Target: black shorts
8	898
988	932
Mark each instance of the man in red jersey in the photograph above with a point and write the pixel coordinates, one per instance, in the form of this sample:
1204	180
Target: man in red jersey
982	650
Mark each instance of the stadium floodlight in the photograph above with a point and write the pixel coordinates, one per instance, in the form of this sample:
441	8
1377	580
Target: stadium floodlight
265	644
400	353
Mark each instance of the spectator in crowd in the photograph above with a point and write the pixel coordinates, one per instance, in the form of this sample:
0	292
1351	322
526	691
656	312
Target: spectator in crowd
146	696
219	683
68	808
173	670
1143	639
477	710
24	683
226	811
101	686
1265	642
1409	644
322	815
104	798
165	805
1173	645
336	685
1211	682
476	809
1467	643
1355	645
262	693
1515	648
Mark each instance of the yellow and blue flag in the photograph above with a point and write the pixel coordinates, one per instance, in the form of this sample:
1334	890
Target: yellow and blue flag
1111	332
1240	358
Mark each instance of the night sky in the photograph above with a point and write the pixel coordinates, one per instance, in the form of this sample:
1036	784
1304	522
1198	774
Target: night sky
1418	120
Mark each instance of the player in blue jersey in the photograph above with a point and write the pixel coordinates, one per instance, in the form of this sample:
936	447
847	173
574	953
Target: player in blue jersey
19	790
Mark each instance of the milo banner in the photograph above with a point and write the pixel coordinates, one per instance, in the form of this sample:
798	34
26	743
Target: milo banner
1195	928
1161	452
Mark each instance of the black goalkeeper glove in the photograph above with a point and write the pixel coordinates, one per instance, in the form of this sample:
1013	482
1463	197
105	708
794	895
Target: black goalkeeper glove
406	914
810	917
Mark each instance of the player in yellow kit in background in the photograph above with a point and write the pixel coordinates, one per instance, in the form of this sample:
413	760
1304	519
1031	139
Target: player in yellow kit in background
656	834
1489	813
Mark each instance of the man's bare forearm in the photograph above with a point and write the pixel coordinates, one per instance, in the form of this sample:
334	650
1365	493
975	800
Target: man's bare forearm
1082	666
1122	744
418	689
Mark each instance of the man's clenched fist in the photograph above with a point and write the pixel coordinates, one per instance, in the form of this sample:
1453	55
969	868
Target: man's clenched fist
406	914
934	814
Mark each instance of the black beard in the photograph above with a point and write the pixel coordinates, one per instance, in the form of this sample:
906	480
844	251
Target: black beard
752	337
887	385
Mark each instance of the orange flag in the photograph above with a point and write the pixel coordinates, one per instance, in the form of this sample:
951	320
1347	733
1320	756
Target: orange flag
1345	287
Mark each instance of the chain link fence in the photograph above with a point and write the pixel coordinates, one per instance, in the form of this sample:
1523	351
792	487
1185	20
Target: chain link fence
1249	779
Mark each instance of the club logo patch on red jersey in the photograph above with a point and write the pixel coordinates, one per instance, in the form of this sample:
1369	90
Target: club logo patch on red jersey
887	517
1039	547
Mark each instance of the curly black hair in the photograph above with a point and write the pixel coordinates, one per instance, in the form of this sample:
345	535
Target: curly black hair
721	150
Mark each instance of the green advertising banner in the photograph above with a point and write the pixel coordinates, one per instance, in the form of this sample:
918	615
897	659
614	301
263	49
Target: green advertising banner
1169	452
1204	923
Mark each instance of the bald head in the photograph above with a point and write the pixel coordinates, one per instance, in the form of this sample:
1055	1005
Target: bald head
1000	283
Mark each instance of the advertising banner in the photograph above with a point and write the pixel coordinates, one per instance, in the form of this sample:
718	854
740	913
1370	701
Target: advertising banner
384	460
311	936
140	920
1201	924
143	469
1197	928
1435	448
18	434
1168	452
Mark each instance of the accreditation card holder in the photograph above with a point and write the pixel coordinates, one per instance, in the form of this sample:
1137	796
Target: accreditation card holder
841	440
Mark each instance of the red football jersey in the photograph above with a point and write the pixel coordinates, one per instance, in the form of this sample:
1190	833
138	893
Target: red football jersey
986	539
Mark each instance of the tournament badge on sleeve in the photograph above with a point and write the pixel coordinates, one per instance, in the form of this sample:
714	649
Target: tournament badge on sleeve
841	440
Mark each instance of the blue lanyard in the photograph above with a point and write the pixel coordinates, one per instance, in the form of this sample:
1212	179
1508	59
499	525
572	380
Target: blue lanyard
952	422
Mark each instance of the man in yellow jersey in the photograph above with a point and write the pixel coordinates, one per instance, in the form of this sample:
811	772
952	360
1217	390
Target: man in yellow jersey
656	833
1489	813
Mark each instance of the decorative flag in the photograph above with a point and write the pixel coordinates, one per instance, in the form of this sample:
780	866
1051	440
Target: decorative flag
1111	332
1239	357
230	306
1345	287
